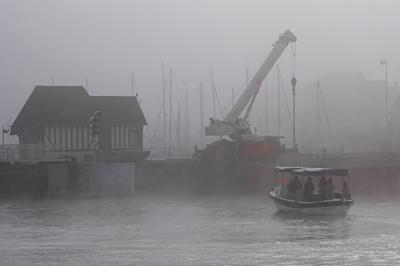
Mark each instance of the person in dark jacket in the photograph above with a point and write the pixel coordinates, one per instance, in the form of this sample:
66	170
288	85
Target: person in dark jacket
322	188
294	187
308	190
330	190
345	191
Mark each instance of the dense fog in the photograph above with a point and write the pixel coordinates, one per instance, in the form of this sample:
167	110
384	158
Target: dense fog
101	44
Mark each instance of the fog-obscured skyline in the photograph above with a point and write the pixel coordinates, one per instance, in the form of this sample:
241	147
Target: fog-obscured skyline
104	42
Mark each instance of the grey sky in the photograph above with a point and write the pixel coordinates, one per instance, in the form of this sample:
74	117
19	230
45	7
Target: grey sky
105	41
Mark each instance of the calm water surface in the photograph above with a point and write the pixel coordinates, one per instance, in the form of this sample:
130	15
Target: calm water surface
162	230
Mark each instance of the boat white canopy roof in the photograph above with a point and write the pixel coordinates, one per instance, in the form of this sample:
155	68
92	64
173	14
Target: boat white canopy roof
310	171
287	169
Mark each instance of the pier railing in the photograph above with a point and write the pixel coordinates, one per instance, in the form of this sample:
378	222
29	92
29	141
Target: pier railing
349	157
352	156
33	152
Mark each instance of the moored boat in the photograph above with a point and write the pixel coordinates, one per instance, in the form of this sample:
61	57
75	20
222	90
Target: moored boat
293	190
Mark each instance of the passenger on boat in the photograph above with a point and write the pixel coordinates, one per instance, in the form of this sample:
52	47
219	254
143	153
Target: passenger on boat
295	188
330	190
345	190
322	188
308	190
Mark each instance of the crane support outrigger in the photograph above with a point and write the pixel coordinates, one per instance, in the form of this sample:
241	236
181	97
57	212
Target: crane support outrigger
238	128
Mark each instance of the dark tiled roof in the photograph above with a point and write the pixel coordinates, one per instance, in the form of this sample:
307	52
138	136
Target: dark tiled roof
72	105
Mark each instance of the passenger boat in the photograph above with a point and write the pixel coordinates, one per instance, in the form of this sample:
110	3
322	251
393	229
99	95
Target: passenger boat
327	200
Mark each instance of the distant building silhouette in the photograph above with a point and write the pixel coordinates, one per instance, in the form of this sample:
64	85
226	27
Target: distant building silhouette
356	111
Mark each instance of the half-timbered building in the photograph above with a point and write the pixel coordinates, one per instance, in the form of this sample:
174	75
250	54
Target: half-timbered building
60	116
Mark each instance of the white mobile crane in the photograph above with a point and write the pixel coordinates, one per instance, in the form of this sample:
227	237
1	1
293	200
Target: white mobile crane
238	129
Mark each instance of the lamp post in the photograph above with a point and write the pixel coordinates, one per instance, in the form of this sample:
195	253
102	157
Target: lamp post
294	82
384	62
3	131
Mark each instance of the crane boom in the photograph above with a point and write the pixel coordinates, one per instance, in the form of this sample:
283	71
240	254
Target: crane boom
258	78
232	125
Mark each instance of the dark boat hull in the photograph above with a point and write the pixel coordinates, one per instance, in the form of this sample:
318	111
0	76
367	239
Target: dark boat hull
327	207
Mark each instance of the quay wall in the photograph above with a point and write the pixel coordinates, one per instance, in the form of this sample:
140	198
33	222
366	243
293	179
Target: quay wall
188	176
23	180
90	179
66	179
176	176
196	176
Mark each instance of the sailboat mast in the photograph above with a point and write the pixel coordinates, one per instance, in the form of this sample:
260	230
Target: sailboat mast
279	100
133	84
266	107
187	114
163	88
318	115
170	113
213	91
201	115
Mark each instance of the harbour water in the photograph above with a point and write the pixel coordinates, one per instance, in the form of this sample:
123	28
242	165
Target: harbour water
194	230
